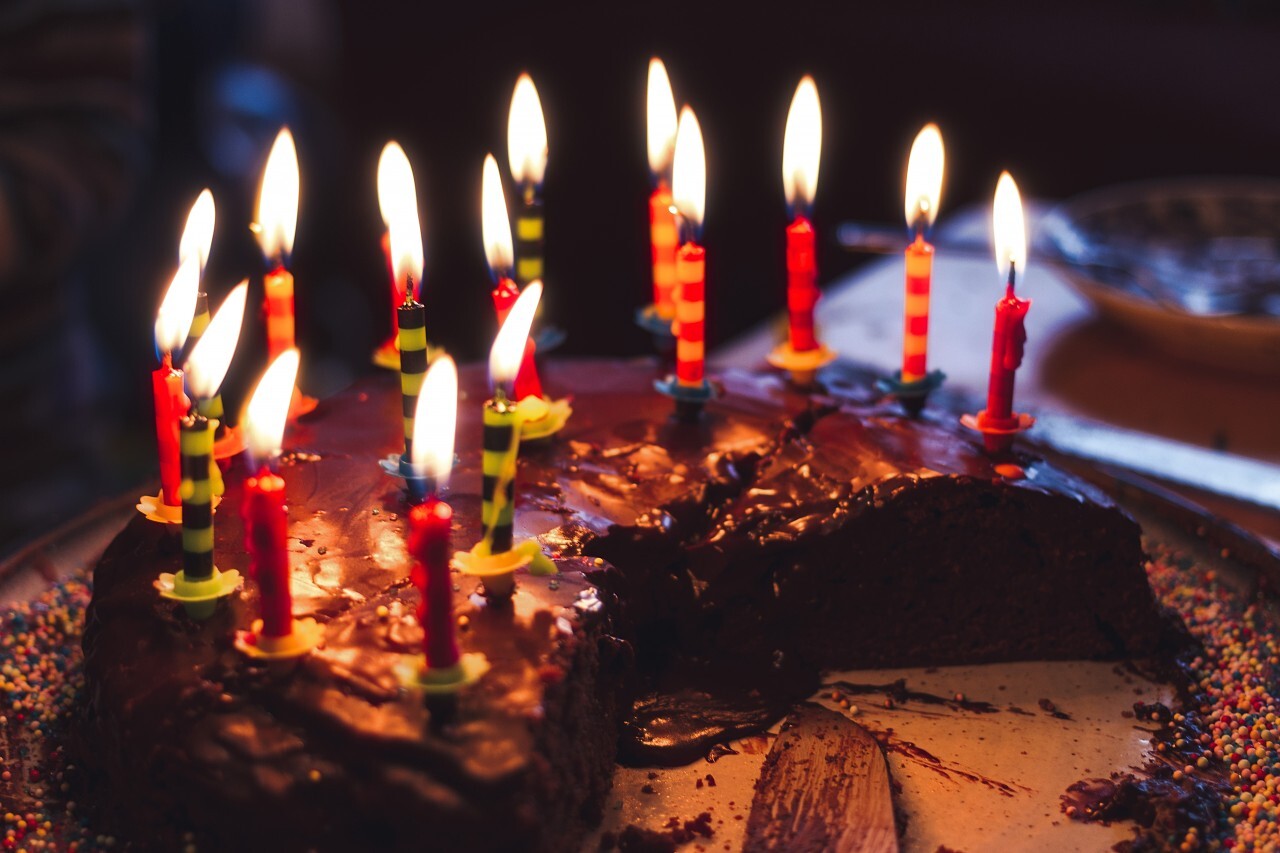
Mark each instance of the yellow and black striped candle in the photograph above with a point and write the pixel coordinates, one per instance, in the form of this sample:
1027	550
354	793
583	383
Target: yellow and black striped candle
501	446
199	322
197	498
529	237
411	318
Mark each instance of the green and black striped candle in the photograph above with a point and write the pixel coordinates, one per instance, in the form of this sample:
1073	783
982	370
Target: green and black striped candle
501	446
412	319
197	498
529	244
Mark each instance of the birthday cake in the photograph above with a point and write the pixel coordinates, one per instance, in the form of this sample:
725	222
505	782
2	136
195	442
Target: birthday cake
708	573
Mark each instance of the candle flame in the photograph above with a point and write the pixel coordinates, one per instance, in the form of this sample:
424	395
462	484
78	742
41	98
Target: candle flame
277	213
435	421
495	226
924	177
802	146
526	133
1009	228
508	346
689	170
207	364
178	308
661	119
197	236
398	200
268	407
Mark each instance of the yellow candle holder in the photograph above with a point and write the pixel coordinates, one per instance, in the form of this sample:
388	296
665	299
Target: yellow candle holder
155	509
198	598
803	366
997	436
301	405
498	571
413	672
231	444
388	355
542	417
305	635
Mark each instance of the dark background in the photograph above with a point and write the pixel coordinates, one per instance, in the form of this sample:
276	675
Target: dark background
1067	95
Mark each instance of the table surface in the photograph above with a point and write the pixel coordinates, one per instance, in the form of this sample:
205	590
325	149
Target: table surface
1075	363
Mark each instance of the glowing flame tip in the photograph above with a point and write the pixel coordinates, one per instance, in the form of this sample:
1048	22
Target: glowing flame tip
661	124
802	145
689	170
508	346
268	407
526	133
924	177
495	225
210	358
1009	227
277	214
435	421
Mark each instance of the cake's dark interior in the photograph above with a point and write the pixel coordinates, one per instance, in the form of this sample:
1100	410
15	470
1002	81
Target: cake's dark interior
709	572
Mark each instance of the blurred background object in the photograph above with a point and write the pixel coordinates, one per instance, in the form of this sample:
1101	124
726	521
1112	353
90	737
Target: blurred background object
1068	95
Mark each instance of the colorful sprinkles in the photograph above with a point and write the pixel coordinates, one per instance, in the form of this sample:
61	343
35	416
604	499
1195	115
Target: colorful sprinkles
1230	730
40	666
1228	735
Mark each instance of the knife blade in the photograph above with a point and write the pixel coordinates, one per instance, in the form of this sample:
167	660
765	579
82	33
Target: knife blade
824	786
1221	473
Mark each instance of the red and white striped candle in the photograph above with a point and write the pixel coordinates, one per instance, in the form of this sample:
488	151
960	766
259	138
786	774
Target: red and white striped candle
689	189
924	188
663	234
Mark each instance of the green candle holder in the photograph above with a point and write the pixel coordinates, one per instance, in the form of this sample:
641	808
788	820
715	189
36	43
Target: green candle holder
199	597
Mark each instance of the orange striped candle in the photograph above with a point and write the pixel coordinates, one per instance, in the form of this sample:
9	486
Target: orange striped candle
915	338
665	242
691	273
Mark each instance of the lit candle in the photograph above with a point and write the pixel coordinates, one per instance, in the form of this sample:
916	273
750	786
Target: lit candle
397	198
197	236
502	423
208	363
400	208
431	520
496	232
276	634
1010	334
265	515
663	236
277	219
527	152
172	323
801	154
689	190
924	188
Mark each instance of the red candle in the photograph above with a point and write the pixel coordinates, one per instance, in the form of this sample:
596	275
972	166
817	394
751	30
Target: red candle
498	252
527	383
263	509
171	405
665	241
397	286
429	531
1006	355
691	325
1010	333
266	525
802	288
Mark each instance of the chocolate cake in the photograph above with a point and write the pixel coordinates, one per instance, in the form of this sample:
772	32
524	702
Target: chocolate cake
709	572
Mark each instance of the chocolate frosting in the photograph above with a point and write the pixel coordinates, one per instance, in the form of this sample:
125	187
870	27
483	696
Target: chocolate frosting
708	572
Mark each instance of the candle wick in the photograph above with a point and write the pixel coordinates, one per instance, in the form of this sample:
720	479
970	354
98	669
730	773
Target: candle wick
1012	271
409	299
